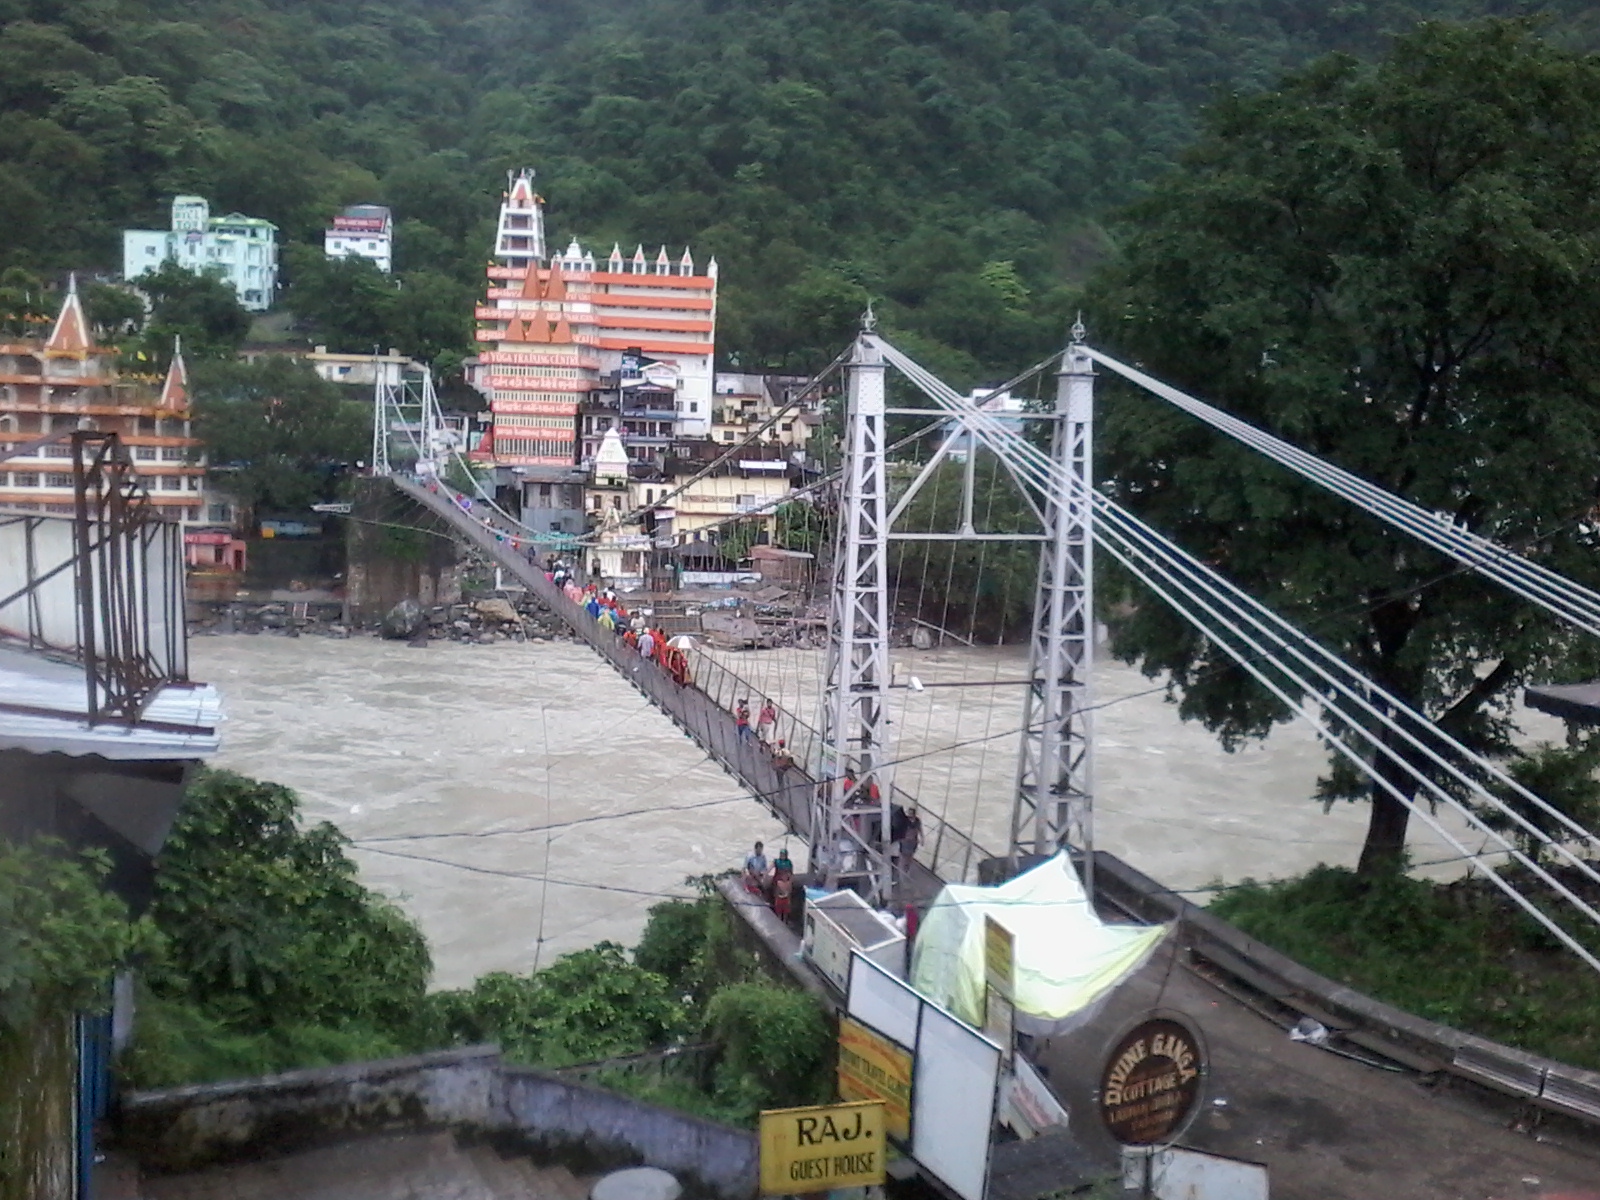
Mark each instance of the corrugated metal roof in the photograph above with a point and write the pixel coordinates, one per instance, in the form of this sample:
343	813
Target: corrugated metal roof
43	706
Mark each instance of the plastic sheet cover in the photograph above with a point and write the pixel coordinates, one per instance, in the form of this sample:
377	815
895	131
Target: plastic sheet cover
1066	958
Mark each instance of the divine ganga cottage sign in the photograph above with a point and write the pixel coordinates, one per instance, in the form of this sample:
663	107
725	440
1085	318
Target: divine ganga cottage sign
1151	1082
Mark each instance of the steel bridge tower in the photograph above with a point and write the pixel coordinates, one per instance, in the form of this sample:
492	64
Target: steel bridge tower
849	842
1054	805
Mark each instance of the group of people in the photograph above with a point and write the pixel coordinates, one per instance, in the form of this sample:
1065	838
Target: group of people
607	611
775	883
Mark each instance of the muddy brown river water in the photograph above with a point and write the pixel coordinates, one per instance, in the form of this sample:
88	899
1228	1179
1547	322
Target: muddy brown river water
522	801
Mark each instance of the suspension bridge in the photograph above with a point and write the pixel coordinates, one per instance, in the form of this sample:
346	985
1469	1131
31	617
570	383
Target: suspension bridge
840	792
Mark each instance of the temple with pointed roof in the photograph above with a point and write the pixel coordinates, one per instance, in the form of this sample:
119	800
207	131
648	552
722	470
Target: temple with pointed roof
67	382
560	328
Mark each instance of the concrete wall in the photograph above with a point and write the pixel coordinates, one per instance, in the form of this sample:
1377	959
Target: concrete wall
470	1089
608	1129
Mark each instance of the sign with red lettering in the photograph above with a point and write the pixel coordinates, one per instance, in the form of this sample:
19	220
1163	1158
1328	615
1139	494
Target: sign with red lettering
1151	1083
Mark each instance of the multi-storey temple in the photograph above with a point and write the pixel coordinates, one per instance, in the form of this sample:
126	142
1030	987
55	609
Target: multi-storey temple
67	382
567	334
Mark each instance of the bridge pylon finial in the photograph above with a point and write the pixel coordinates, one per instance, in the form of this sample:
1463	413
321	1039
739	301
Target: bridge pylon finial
869	320
1078	330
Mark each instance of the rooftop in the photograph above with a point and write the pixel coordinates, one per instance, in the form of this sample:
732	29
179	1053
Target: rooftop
46	705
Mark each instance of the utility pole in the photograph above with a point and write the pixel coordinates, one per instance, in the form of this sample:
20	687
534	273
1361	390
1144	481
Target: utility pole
1054	805
850	824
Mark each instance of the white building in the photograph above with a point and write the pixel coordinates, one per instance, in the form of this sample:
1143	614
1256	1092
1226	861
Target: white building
243	250
362	231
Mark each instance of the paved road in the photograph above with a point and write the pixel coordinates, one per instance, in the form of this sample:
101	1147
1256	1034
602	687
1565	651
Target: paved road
1328	1128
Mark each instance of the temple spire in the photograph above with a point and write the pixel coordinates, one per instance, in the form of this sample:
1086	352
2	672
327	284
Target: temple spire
70	334
175	391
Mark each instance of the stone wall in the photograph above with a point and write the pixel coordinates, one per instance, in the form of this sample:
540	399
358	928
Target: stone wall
396	550
181	1129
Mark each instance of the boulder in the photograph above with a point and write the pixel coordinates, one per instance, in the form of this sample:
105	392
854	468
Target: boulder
496	610
403	620
637	1183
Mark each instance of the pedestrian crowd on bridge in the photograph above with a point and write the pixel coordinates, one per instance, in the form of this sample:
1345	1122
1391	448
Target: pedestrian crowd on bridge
604	607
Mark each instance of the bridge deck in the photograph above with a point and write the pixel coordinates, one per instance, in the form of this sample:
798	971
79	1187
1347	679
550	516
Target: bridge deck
1327	1127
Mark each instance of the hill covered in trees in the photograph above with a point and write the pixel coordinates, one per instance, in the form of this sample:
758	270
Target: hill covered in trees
951	157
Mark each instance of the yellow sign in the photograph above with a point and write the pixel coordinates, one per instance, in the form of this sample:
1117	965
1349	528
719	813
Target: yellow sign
871	1067
821	1148
999	956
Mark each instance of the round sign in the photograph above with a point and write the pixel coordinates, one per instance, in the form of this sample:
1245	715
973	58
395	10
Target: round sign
1151	1082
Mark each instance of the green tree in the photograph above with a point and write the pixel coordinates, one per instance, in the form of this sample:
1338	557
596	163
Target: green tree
23	304
276	433
265	924
113	310
1396	267
202	309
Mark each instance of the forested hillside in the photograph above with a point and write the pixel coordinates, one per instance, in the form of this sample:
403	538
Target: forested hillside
953	157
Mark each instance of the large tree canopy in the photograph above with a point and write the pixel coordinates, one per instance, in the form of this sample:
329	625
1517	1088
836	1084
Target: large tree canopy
1396	267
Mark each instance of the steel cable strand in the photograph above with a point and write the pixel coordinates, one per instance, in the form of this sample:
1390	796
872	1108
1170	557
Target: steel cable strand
1534	582
1041	468
1290	636
1251	662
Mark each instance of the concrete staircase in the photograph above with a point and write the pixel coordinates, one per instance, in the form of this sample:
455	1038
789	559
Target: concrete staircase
401	1166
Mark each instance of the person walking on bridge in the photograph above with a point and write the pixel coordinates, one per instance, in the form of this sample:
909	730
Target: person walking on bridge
647	644
741	719
766	720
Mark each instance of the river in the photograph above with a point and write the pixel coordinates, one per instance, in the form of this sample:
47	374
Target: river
521	801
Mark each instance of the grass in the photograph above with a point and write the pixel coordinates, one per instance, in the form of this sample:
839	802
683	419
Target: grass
1458	953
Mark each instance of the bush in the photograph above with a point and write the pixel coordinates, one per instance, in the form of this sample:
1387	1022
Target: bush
61	934
777	1048
1457	953
585	1006
265	927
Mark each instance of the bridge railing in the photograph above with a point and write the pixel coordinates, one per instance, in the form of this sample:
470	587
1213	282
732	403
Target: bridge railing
945	851
704	709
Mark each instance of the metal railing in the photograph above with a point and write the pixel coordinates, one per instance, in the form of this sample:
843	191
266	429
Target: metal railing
704	709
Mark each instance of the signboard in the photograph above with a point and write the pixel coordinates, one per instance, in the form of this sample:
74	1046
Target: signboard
871	1067
1151	1082
999	956
821	1148
550	408
358	224
1172	1173
1000	1019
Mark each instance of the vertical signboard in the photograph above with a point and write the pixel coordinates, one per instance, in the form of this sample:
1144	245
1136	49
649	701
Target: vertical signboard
999	957
871	1067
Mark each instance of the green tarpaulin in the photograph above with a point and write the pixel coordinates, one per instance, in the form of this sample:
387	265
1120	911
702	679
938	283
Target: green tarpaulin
1066	958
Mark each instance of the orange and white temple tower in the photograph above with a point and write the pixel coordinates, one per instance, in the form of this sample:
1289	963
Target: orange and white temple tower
555	326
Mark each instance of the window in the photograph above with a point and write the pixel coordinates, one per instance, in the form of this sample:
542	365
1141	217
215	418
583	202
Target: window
145	453
544	491
787	426
147	425
747	501
171	483
57	479
616	503
58	451
28	479
694	406
221	514
594	501
649	495
194	483
727	435
191	514
173	454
